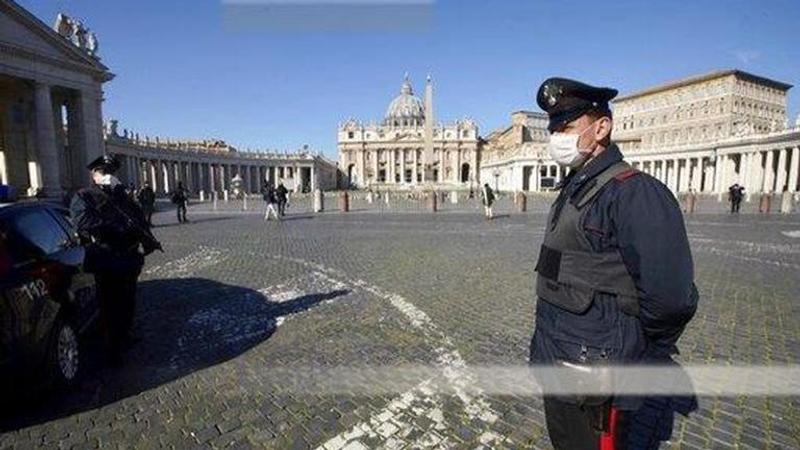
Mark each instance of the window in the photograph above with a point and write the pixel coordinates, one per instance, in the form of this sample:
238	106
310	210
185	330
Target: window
350	135
40	230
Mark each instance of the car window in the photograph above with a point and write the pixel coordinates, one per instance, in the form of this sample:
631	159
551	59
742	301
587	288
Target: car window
39	229
62	216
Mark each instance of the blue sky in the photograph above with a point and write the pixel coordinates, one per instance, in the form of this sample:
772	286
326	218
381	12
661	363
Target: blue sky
181	73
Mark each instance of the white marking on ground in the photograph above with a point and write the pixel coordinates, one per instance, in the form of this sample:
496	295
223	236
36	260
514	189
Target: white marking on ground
422	400
186	266
792	234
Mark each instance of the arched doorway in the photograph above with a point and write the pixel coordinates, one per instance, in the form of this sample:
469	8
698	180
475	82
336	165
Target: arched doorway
465	173
350	175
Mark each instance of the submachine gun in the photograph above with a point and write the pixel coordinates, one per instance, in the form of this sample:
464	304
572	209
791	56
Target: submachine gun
105	206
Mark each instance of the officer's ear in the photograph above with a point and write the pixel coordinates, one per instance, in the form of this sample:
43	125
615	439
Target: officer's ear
602	130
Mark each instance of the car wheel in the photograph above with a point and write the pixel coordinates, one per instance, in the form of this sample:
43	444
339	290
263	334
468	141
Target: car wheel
64	355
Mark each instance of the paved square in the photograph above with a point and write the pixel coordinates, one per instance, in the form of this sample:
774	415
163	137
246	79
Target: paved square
236	303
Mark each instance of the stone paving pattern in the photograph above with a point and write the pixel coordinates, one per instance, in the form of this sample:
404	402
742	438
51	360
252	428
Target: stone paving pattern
234	297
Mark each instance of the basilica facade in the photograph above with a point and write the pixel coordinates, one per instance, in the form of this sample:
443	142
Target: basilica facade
408	148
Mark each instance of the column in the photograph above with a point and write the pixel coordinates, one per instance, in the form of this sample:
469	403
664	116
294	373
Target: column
769	174
377	165
212	179
402	166
676	171
43	168
710	178
720	169
683	175
781	181
152	166
414	167
696	173
458	167
314	177
794	170
362	167
744	170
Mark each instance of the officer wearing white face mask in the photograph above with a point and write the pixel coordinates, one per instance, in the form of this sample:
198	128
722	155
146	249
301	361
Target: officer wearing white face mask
615	278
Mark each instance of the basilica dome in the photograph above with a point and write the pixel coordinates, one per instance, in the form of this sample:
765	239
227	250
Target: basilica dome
405	109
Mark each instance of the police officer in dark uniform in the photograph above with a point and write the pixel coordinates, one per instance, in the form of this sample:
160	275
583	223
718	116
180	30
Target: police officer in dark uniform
116	235
615	277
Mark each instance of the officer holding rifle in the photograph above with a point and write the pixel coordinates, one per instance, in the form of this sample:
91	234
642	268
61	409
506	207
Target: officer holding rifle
117	237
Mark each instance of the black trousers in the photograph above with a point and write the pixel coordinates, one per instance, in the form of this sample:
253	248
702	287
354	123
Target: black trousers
148	213
116	293
182	212
282	207
574	427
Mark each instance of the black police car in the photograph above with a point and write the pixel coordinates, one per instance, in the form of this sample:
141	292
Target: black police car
47	301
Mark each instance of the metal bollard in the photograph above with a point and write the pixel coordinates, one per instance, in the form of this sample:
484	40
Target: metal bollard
214	196
764	204
522	202
786	202
244	202
344	201
225	195
454	197
689	202
432	205
202	196
318	201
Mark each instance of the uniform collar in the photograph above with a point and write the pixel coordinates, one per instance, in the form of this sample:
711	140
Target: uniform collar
601	162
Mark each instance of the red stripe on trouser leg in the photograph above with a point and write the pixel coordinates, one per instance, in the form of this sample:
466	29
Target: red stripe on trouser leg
608	440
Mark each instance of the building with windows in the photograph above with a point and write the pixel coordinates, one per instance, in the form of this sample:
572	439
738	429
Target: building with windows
515	157
408	148
701	133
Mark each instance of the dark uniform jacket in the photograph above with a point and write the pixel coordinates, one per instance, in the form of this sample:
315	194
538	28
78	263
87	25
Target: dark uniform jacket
640	217
112	240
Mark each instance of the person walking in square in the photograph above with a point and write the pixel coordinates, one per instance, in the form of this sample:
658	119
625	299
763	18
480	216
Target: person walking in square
282	196
180	198
487	196
147	201
271	199
735	195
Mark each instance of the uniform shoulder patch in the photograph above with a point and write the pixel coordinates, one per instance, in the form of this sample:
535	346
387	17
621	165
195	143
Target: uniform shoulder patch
626	175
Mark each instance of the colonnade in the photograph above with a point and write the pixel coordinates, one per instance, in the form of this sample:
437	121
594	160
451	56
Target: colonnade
761	168
163	174
405	166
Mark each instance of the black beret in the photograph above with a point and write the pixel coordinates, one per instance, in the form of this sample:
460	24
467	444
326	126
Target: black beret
106	163
565	100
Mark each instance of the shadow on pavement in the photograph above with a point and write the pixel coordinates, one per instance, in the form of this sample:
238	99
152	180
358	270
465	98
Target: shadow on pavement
185	325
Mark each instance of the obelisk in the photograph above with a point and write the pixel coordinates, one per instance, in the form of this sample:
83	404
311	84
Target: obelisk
427	154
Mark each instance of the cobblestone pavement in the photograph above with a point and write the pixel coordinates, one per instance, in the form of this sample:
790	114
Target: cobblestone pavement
235	298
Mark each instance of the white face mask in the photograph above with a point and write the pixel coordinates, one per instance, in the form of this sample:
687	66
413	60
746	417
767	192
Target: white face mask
563	148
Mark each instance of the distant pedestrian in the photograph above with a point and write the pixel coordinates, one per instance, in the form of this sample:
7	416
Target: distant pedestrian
735	195
488	201
147	200
282	195
131	191
180	198
271	199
